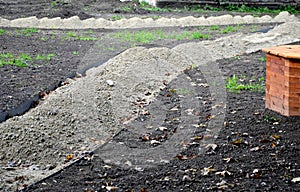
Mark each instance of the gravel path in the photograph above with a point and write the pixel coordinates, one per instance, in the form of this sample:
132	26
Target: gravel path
84	113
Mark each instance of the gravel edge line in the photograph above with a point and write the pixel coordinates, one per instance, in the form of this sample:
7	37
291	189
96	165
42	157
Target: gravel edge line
136	22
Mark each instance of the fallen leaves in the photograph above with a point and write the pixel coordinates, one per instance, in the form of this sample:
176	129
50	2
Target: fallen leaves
229	160
256	148
296	179
185	157
237	141
207	170
154	142
69	157
111	188
211	146
224	173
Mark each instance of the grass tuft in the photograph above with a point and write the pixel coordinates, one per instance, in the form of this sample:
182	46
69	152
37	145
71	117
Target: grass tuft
235	84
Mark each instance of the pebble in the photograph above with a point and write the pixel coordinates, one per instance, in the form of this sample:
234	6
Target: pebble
110	83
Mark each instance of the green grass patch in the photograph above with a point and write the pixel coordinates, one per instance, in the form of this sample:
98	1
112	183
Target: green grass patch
144	5
126	8
228	29
145	37
235	84
22	60
86	38
199	35
117	17
257	10
29	31
214	28
10	59
73	35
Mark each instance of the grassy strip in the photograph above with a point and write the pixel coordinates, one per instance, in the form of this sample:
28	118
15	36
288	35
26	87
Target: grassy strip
237	8
22	60
145	37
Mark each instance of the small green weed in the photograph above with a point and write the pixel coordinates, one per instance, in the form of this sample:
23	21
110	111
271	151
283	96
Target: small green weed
45	57
235	84
29	31
199	35
111	48
53	4
43	39
86	38
211	8
71	34
263	59
269	118
126	8
75	53
117	17
228	29
214	27
2	31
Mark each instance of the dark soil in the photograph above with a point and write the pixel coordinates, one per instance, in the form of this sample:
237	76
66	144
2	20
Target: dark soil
258	148
261	147
22	86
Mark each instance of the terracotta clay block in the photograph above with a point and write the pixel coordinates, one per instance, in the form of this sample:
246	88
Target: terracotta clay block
283	79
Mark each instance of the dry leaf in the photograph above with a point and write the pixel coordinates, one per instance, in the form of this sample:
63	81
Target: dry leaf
143	190
202	125
228	159
154	142
174	109
223	173
273	145
255	149
203	85
207	170
189	111
237	142
276	136
145	138
296	179
184	157
211	146
69	157
198	137
264	141
111	188
163	128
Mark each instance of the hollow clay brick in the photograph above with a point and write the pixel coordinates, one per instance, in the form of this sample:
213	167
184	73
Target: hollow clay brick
283	79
